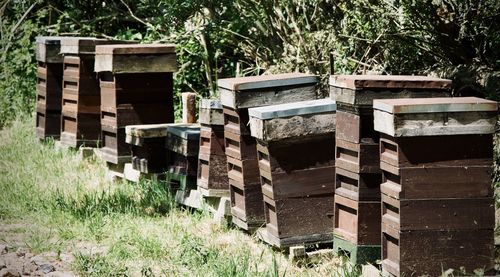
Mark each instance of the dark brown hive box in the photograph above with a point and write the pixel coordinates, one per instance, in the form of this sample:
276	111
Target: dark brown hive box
436	157
212	161
297	170
81	94
136	83
49	87
147	142
237	96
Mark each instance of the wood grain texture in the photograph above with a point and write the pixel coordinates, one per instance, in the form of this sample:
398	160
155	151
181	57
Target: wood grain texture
356	186
357	222
460	150
437	182
409	253
357	157
438	214
299	216
389	81
247	204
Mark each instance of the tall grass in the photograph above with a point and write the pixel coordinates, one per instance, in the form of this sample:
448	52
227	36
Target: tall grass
59	202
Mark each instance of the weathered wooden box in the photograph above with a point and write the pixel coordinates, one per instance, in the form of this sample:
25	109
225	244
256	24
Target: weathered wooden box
211	113
237	95
182	143
48	124
49	87
356	128
357	186
430	252
361	90
357	221
357	157
212	161
114	148
136	83
147	142
80	95
436	158
297	170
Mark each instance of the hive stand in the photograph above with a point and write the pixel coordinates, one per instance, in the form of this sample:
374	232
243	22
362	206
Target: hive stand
213	183
136	82
358	176
49	87
80	94
297	171
438	209
237	96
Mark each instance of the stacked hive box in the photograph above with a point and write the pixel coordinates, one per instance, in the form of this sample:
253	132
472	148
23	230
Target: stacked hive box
237	95
147	142
81	97
358	175
438	207
212	167
136	88
297	170
182	145
49	87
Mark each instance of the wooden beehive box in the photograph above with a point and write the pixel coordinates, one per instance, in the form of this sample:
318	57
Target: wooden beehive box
81	94
183	144
49	87
212	162
237	95
436	157
298	192
136	82
149	154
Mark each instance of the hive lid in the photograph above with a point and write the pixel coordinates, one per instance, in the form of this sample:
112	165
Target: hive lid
293	109
52	40
435	105
84	45
147	130
185	131
389	82
135	49
213	104
267	81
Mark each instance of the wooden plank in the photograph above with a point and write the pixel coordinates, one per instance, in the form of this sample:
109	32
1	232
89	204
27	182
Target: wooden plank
389	81
136	63
266	81
293	109
439	214
48	124
435	105
435	124
84	45
294	127
240	146
437	182
243	171
236	121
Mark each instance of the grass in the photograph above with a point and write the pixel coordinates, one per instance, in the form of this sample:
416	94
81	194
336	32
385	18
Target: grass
52	201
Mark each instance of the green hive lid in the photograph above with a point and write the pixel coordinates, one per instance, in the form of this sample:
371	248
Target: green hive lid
185	131
293	109
389	82
212	104
435	105
267	81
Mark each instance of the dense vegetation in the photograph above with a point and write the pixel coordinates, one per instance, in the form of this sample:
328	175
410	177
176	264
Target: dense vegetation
457	39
